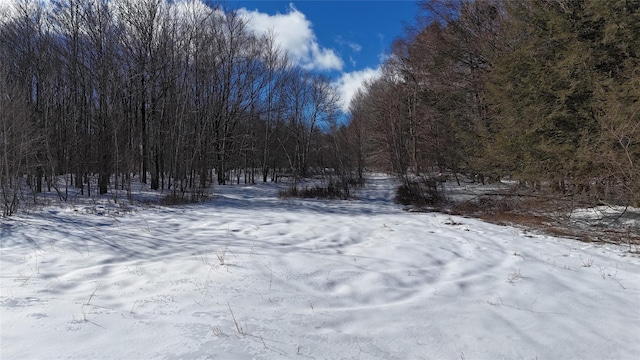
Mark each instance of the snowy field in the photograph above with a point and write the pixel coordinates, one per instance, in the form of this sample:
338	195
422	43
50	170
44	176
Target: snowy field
251	276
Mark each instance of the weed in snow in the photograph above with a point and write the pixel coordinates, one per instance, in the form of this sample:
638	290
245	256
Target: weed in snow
240	330
586	263
85	312
514	277
221	255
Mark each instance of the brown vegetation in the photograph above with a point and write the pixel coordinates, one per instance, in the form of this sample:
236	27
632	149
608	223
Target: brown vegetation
547	214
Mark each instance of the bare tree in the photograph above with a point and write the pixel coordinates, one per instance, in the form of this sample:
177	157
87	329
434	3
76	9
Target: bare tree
179	91
276	69
20	143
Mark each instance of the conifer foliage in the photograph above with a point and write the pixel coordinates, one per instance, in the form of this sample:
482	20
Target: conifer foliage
546	92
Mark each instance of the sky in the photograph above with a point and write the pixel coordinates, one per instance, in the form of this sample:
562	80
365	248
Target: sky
345	40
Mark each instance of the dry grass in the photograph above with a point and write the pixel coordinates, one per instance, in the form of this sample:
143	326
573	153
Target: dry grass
184	198
421	194
333	189
547	214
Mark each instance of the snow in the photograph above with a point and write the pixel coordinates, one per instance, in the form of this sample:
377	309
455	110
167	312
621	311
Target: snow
251	276
603	216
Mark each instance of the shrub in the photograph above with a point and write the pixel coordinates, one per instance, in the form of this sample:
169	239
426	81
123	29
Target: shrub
334	189
182	198
316	192
426	192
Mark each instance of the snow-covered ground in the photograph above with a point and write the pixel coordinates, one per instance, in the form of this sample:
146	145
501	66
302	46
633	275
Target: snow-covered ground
251	276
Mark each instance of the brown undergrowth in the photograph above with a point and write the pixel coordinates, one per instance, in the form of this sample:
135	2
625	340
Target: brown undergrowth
547	214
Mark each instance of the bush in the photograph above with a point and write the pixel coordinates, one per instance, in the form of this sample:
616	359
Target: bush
420	193
339	189
183	198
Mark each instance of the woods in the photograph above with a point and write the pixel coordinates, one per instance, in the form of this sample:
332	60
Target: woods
179	94
183	95
544	92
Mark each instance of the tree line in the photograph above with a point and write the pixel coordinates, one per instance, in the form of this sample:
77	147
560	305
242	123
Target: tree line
545	92
179	94
182	95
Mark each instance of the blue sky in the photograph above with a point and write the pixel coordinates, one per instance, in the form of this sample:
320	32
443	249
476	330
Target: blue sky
346	40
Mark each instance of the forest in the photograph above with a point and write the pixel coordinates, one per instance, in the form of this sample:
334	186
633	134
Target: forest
182	96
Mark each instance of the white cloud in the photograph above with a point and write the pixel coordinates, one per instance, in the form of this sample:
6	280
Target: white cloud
294	33
186	9
8	10
349	83
352	61
355	47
